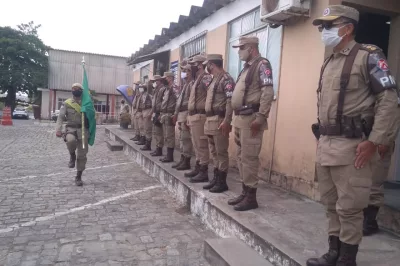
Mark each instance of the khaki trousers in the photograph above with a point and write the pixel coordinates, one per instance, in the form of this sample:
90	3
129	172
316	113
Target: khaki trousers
145	124
73	140
218	145
138	116
169	130
379	176
345	193
158	135
247	154
185	139
199	139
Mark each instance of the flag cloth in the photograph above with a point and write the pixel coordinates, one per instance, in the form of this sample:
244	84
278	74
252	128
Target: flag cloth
88	109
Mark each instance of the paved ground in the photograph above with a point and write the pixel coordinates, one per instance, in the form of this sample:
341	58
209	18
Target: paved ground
120	217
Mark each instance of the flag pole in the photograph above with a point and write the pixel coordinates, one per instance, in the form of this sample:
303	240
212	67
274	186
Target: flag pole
83	115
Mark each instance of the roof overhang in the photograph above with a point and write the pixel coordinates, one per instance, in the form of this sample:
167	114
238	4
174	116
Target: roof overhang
148	57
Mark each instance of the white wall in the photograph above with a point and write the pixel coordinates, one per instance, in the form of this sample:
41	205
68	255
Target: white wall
221	17
44	112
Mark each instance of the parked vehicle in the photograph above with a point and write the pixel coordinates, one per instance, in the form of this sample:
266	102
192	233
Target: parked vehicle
20	112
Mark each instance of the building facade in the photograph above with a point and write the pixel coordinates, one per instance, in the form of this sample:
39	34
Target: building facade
105	74
296	54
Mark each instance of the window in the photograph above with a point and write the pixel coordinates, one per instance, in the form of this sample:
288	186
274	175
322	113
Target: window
270	43
194	46
101	107
144	73
60	103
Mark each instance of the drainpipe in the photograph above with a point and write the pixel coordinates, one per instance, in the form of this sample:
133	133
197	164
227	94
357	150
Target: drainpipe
276	111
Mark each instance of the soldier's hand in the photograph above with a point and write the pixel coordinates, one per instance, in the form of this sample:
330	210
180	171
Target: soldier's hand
59	134
255	128
225	128
365	151
382	150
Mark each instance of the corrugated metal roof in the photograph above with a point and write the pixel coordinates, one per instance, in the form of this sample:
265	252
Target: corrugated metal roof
196	15
85	53
105	73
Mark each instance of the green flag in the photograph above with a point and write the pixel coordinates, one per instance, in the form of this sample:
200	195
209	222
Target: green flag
88	109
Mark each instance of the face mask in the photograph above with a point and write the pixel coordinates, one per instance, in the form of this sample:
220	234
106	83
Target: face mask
244	54
183	75
195	69
77	93
141	90
331	37
209	70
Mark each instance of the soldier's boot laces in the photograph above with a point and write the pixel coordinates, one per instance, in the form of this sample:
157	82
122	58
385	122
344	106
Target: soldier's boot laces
78	179
142	141
221	185
72	160
185	164
202	176
195	171
330	258
157	152
135	138
370	225
176	165
170	156
239	198
213	180
249	202
348	255
147	146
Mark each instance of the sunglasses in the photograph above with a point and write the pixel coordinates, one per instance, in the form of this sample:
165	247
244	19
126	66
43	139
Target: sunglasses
329	25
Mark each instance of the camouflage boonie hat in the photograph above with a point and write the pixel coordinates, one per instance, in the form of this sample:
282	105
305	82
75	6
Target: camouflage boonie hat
168	74
247	40
156	77
213	57
186	67
197	59
334	12
77	85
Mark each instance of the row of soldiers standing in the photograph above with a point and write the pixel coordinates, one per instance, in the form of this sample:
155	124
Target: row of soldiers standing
203	110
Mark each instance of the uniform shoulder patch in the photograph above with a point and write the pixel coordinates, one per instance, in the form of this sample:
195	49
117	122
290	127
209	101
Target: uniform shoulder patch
207	80
370	48
265	73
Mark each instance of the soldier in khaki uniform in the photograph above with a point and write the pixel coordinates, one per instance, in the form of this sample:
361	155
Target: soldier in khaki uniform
251	102
124	116
356	101
134	113
158	134
71	111
167	112
218	124
181	113
144	108
197	118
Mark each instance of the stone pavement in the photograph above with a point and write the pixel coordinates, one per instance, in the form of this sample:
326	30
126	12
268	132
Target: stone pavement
121	216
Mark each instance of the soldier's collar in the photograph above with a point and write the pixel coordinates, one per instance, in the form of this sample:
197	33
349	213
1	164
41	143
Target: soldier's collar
347	49
253	60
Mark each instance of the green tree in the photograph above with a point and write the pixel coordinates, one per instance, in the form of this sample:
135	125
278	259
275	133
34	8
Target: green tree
23	61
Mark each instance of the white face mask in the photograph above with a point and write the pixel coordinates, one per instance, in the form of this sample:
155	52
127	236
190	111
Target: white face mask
183	75
244	54
141	90
154	85
331	37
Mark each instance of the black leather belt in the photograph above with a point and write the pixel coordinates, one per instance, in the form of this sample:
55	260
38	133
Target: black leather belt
248	109
330	130
198	112
219	113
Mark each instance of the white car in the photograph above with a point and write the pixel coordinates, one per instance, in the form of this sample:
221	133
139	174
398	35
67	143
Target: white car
20	113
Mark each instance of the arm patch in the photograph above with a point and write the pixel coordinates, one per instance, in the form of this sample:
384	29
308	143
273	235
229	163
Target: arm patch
266	74
379	72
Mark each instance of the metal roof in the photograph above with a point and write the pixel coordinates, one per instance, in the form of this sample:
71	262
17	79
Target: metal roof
196	15
86	53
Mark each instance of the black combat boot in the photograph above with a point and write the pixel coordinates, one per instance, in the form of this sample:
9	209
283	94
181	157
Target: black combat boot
142	141
370	225
330	258
157	152
72	160
78	179
239	198
170	156
202	176
213	181
147	146
185	165
195	171
249	202
180	162
135	138
348	255
221	185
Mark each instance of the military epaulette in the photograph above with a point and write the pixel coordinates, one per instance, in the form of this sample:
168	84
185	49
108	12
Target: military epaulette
370	48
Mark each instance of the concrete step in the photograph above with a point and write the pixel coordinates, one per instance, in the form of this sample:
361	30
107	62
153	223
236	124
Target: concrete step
114	145
231	252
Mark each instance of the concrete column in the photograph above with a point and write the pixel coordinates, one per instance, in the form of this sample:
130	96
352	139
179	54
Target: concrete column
394	48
